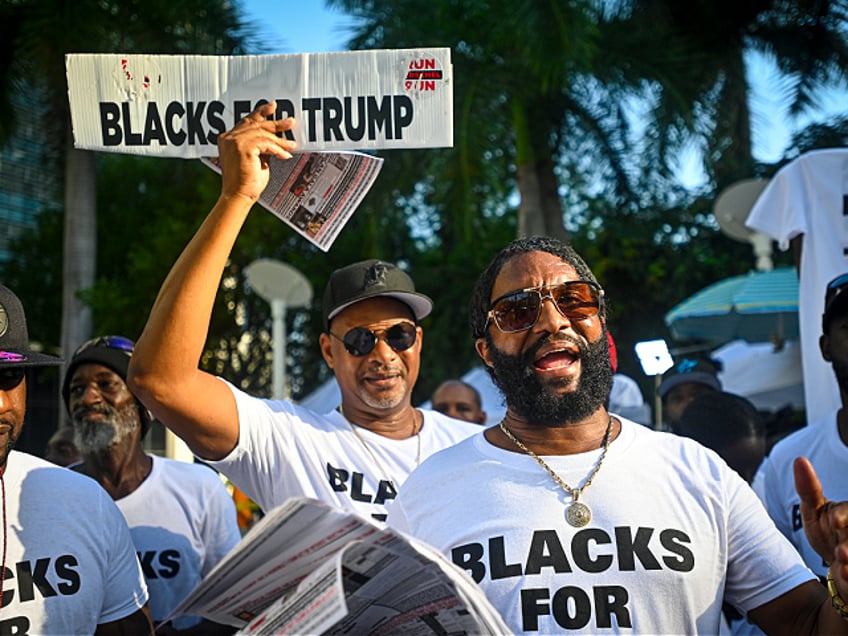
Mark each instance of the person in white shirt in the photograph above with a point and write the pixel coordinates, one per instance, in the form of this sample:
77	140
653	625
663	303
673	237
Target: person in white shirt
68	561
181	517
355	457
572	519
824	442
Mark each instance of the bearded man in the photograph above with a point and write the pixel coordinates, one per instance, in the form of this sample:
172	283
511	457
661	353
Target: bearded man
571	519
181	517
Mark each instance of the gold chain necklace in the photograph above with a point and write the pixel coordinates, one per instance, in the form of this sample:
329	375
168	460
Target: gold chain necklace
385	473
577	514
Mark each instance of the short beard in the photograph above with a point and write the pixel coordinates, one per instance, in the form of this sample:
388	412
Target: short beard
10	443
98	436
528	398
383	400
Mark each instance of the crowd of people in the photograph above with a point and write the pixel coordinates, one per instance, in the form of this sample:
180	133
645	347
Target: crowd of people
567	514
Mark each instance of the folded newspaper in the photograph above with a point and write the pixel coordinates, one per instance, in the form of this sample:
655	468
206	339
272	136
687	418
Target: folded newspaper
309	568
315	193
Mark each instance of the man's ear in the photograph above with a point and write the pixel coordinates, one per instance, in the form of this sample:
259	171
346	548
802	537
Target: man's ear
824	347
326	345
482	347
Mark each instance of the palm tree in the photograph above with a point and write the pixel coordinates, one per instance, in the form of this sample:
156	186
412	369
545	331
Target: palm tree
36	35
548	83
701	86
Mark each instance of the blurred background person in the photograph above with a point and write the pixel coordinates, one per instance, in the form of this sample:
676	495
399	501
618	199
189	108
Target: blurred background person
731	426
61	448
459	400
688	379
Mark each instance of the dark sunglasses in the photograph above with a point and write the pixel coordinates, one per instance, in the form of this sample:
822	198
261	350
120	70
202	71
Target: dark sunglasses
10	378
112	342
519	310
835	286
360	341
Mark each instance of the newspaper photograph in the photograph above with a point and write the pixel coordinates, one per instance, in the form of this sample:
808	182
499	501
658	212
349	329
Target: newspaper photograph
315	193
309	568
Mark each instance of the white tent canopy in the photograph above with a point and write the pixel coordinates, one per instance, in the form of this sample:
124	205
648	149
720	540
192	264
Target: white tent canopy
770	379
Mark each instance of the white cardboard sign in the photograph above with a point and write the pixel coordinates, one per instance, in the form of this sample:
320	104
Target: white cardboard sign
177	105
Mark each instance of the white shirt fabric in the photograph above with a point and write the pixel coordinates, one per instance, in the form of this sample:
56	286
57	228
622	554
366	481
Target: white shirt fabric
287	451
674	531
820	443
182	521
807	196
70	563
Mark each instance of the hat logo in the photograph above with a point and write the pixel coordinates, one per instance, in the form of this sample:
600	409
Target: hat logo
376	275
4	321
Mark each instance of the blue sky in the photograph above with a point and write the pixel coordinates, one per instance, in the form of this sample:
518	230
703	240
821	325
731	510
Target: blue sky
303	27
309	27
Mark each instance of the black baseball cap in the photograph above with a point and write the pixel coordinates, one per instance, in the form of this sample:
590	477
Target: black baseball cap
835	299
15	350
370	279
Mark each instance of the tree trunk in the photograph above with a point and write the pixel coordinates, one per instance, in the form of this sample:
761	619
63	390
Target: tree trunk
540	210
80	245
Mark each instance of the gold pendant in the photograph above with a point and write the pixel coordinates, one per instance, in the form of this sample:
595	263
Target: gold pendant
578	514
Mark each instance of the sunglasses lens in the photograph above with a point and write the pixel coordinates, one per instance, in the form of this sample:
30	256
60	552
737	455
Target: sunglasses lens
577	300
401	336
359	341
517	311
838	282
112	342
10	378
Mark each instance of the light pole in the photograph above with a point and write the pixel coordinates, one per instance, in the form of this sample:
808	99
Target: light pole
282	286
655	359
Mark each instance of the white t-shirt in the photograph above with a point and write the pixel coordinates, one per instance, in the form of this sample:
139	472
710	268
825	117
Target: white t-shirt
182	521
820	443
807	196
674	531
70	562
287	451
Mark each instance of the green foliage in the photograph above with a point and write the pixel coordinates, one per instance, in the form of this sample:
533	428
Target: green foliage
35	275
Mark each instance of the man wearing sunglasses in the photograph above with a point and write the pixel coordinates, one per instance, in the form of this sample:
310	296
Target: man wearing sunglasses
824	442
67	561
355	457
573	520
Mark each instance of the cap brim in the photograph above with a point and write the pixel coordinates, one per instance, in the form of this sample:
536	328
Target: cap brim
14	359
420	304
695	377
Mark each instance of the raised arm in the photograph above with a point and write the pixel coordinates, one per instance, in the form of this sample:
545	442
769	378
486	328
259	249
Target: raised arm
164	371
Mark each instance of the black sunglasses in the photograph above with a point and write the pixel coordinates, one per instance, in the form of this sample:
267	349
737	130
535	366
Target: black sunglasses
520	309
360	341
112	342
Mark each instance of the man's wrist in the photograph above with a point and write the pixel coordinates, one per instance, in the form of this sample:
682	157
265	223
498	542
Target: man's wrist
836	599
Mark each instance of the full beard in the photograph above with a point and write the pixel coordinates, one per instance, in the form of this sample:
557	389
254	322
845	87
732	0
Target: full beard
530	399
93	436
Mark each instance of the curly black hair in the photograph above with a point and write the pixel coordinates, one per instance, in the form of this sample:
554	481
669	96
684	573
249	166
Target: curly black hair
481	295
